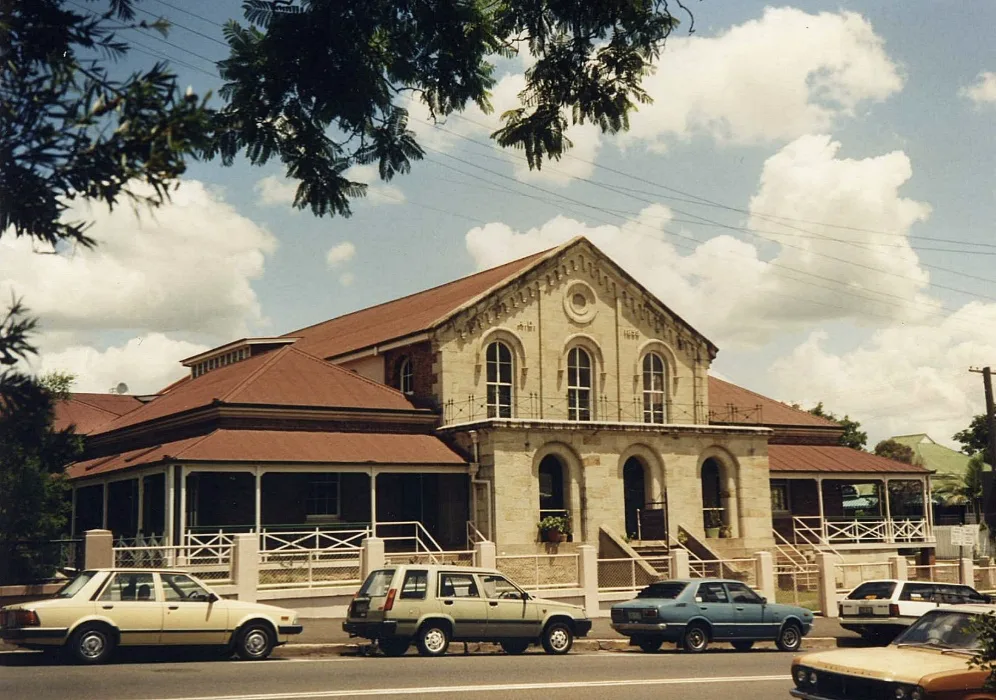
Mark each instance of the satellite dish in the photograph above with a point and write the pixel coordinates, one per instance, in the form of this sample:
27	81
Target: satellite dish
121	388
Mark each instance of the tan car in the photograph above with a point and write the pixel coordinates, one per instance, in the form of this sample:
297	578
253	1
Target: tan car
434	605
929	661
101	609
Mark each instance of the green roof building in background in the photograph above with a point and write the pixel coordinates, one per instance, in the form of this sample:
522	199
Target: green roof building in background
945	462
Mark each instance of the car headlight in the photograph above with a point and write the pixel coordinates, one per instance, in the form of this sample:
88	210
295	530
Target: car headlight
800	675
813	678
918	693
908	692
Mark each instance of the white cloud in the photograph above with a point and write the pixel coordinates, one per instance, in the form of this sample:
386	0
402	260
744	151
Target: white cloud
983	90
904	379
146	364
340	253
346	279
186	266
775	78
378	191
795	275
276	191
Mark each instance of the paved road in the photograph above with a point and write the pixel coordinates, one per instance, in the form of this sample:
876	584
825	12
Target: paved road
717	673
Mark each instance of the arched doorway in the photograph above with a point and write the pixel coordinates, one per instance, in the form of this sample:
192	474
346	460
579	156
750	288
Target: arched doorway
634	494
713	515
551	487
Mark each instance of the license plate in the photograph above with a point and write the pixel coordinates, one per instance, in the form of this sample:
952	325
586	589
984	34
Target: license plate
633	615
865	610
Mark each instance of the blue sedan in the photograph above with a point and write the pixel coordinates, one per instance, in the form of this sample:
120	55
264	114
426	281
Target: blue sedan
694	612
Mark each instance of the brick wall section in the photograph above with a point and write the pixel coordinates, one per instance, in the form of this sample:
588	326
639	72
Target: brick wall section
421	357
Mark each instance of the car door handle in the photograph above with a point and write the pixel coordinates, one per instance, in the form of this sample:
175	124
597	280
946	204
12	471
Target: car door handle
108	607
174	607
740	609
493	603
447	602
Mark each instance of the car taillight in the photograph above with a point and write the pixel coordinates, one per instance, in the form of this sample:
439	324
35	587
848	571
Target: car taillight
389	603
24	618
894	610
650	612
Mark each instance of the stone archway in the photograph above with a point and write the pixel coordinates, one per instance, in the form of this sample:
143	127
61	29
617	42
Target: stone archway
713	513
634	494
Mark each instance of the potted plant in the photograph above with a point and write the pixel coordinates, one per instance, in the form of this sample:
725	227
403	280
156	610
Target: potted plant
555	528
713	521
725	532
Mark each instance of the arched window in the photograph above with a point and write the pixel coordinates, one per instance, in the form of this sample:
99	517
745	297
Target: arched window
578	385
551	487
499	360
406	378
654	394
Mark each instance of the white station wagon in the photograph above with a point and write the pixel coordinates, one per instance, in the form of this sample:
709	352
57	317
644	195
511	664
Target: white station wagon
101	609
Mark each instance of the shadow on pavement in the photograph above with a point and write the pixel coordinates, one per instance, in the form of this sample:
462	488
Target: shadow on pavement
150	655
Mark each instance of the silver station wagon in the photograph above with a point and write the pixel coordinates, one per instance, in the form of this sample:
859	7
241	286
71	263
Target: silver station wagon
434	605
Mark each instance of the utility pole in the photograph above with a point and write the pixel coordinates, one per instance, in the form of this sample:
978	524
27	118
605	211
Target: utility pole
990	411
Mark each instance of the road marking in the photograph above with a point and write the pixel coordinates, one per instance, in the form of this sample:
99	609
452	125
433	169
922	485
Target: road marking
367	692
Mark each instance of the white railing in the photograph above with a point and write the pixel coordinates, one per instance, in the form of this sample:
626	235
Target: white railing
309	568
213	563
463	557
631	574
419	540
538	572
473	534
820	532
282	542
742	569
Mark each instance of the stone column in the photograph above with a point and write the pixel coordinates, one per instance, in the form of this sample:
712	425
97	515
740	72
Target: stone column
966	570
245	566
765	564
827	584
371	556
98	549
679	564
485	555
588	577
898	566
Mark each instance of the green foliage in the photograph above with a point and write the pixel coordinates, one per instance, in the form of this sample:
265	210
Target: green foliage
322	86
975	438
966	489
897	451
984	658
853	436
560	523
69	130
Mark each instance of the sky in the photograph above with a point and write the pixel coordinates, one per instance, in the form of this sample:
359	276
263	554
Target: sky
812	189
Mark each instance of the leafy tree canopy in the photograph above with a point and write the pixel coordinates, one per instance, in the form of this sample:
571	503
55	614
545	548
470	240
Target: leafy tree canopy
853	436
895	450
975	438
322	84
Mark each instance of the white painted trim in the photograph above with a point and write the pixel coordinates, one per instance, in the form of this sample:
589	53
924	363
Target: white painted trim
374	350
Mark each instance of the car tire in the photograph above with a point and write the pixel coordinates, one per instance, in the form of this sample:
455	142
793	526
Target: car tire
92	644
648	644
696	639
514	647
433	639
255	642
558	638
394	646
790	638
743	644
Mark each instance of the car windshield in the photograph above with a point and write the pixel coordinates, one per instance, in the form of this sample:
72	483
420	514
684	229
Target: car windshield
873	590
669	591
377	583
75	584
942	628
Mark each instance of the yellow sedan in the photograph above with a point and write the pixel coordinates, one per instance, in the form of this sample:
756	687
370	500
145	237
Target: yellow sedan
101	609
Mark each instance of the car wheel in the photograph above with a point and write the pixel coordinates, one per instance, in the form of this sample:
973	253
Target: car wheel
395	646
743	644
515	646
648	644
255	642
433	639
92	644
790	638
557	638
695	639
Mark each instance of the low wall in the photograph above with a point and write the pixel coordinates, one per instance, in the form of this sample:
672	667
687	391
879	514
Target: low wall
9	595
945	550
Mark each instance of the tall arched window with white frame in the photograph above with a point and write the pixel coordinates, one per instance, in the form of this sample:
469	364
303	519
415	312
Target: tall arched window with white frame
406	377
499	368
578	384
654	389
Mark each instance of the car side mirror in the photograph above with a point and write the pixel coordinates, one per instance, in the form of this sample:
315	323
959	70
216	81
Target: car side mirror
213	597
764	601
525	596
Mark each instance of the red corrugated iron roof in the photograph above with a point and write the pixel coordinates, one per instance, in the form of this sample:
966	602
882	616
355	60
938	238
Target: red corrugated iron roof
405	316
755	409
91	411
833	459
283	447
285	377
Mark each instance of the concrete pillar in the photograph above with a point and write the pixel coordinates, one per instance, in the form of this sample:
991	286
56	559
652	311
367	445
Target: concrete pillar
98	549
679	564
827	581
898	567
373	503
371	556
245	566
588	577
967	571
485	555
765	564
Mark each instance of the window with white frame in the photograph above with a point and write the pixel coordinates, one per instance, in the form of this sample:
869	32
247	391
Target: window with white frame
406	377
323	496
499	368
578	385
654	392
